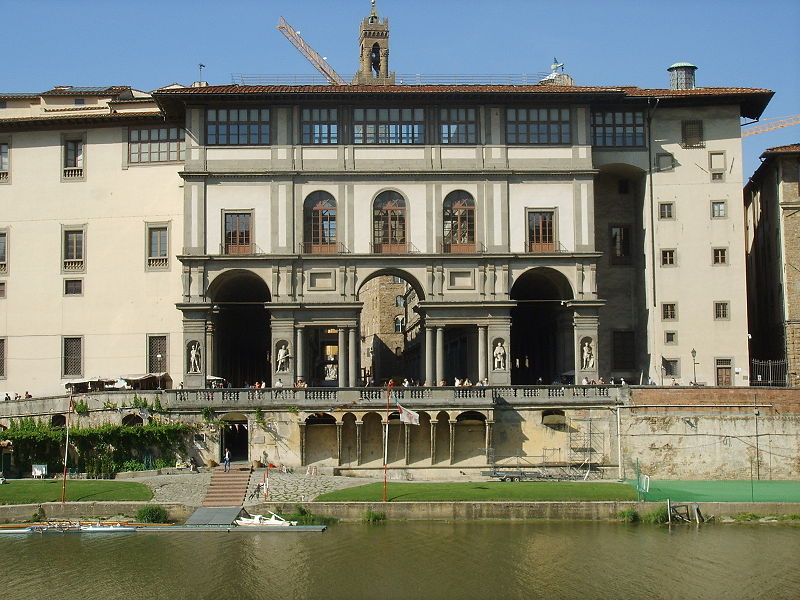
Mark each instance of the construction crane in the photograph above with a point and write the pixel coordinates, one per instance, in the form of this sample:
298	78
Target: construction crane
312	55
771	124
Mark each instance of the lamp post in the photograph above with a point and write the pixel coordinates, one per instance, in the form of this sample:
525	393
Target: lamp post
160	369
694	367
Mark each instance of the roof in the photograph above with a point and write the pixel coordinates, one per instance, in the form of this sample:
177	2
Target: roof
753	101
18	95
782	149
679	65
100	90
61	119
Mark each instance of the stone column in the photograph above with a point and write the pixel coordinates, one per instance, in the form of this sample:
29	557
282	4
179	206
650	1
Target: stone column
342	358
489	439
481	352
302	444
433	441
430	375
358	441
211	357
299	349
407	436
439	354
352	355
339	443
452	424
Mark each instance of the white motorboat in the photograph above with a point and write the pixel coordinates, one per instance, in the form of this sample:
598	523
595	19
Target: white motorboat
261	521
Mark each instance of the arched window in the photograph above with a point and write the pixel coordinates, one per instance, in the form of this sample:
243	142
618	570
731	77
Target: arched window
399	301
389	224
399	324
319	224
458	222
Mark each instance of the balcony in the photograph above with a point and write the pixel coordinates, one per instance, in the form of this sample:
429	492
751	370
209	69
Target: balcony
73	173
316	248
161	262
73	265
394	248
462	248
3	176
546	248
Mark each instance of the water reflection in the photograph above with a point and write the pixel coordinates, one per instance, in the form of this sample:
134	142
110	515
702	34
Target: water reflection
530	559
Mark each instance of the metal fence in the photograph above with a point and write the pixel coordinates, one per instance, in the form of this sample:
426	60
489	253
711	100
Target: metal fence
771	373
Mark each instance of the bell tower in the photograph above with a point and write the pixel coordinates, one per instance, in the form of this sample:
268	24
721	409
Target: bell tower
373	41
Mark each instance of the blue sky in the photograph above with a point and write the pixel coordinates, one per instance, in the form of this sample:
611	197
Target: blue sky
148	43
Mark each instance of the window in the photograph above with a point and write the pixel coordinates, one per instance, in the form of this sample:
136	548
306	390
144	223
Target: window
666	210
719	209
237	126
157	247
3	162
320	126
399	301
724	368
457	126
665	161
238	234
73	356
319	223
3	252
537	126
668	258
73	159
389	224
716	165
669	311
670	337
692	134
388	126
2	357
396	279
721	311
80	101
2	289
620	245
156	144
624	349
618	128
73	287
720	256
399	324
157	353
73	259
541	231
671	367
458	222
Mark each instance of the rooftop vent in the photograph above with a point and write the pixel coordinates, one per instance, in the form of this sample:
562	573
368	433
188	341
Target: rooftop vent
681	76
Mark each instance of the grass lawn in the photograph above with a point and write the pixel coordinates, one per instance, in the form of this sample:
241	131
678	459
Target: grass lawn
29	491
484	491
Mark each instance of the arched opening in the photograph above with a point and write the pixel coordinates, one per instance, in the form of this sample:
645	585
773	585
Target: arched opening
458	222
58	421
541	328
389	224
321	441
555	419
391	328
132	420
234	436
470	437
441	436
349	455
319	224
241	352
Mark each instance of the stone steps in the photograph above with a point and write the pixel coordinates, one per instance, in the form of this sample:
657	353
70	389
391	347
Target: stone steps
227	489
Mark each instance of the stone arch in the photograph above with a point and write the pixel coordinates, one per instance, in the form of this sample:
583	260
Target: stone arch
58	420
541	348
349	446
132	420
235	435
441	436
321	445
419	439
393	272
372	439
241	326
469	442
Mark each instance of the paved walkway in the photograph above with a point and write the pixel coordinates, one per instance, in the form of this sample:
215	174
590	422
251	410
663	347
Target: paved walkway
190	488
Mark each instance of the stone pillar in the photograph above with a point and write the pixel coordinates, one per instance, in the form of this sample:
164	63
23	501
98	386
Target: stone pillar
433	440
585	322
358	441
352	356
452	424
299	349
339	443
439	354
302	444
482	352
342	358
489	441
430	375
211	358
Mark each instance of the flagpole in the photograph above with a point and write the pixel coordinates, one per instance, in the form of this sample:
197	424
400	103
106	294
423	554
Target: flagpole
66	453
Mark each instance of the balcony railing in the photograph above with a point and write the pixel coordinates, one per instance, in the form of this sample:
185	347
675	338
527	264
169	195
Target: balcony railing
3	176
394	248
462	248
546	247
73	264
315	248
160	262
73	172
240	249
3	267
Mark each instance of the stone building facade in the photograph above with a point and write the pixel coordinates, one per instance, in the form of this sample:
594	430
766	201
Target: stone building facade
772	205
549	232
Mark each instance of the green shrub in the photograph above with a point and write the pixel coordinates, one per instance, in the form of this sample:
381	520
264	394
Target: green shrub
152	513
208	413
81	407
746	516
629	515
163	463
38	516
304	517
656	517
132	465
374	517
789	517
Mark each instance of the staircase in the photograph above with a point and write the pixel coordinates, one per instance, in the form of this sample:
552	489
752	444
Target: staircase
227	489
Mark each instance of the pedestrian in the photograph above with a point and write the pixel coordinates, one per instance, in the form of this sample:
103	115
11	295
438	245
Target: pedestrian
226	460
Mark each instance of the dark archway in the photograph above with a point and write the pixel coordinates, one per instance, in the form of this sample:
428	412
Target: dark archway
541	328
234	429
241	328
58	421
132	420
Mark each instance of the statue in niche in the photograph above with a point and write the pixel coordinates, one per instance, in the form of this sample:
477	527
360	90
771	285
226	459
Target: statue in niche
587	354
194	357
283	356
499	355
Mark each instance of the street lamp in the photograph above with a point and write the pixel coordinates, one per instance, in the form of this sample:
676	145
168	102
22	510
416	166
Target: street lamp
160	369
694	366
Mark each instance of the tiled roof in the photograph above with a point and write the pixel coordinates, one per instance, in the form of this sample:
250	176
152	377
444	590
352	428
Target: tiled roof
79	118
782	149
110	90
18	95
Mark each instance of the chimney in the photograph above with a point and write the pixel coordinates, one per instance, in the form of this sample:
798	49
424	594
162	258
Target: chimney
681	76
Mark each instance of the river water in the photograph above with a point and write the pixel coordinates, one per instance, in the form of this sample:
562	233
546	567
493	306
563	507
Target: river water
486	560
